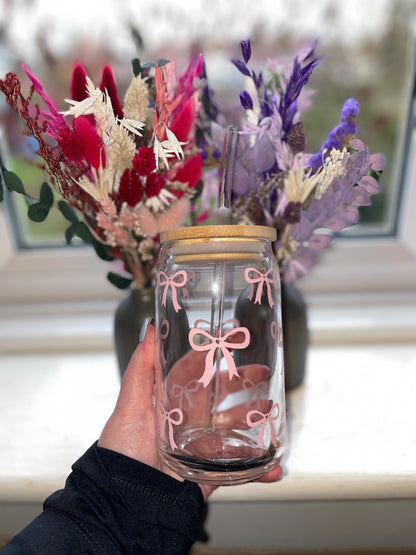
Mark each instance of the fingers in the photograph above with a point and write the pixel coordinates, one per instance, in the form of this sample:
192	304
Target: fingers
137	384
272	476
236	417
130	429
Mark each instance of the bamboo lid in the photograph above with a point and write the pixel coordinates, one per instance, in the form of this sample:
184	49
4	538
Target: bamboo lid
215	232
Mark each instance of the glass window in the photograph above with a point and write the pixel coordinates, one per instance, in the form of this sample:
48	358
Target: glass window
367	49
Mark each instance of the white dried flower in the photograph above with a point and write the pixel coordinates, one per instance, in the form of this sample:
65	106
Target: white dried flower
136	100
121	150
171	146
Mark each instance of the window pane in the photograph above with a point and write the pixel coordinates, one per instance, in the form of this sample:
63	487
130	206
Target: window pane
28	233
365	45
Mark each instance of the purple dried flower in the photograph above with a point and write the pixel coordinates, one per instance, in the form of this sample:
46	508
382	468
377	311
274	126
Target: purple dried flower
339	135
246	101
303	259
265	106
336	137
272	165
263	154
257	79
350	109
298	79
241	66
246	50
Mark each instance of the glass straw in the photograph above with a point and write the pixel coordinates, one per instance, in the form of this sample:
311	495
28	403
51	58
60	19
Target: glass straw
218	286
227	170
224	206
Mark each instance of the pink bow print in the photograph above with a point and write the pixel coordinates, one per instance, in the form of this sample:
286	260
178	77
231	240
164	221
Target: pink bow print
268	278
183	393
263	421
169	418
177	280
256	391
221	343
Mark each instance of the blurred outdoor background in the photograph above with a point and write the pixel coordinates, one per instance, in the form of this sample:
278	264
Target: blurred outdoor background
367	48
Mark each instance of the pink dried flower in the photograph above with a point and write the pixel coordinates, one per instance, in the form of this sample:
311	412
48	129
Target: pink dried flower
105	222
109	207
121	237
127	219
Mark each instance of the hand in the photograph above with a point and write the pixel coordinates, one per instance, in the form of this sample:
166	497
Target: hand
130	430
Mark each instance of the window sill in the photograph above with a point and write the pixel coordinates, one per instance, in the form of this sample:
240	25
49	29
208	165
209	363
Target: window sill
351	442
88	326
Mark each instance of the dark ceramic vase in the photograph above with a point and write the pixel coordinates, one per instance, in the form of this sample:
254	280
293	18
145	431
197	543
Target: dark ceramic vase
129	318
295	335
140	304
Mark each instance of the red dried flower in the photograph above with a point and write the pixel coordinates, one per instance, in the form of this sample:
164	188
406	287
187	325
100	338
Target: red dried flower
87	134
154	184
144	161
131	188
79	83
70	144
182	124
189	171
108	84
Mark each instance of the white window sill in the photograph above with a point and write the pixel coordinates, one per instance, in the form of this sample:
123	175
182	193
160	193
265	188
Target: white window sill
88	326
352	438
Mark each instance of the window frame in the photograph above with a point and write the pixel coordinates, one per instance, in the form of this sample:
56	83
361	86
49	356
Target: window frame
357	265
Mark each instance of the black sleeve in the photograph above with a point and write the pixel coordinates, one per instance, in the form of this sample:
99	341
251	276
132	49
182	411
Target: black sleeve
114	504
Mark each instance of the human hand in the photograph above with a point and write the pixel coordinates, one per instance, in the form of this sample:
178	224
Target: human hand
130	430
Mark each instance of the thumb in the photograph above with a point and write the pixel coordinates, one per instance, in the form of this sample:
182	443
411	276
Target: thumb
138	380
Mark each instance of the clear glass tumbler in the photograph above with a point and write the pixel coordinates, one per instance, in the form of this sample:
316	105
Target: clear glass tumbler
220	378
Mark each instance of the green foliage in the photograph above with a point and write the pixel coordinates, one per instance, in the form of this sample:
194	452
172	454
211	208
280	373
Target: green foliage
69	234
46	195
38	211
13	182
119	281
137	68
81	229
103	251
67	211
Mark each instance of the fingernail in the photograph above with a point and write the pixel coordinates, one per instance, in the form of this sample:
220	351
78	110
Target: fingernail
143	329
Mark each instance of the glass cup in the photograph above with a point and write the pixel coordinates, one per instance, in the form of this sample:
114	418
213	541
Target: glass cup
220	379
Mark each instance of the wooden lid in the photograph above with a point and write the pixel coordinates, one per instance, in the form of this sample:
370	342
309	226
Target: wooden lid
211	232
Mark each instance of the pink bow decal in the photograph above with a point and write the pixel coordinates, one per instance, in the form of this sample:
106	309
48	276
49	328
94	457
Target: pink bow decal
169	418
268	278
263	421
183	393
221	343
256	391
177	280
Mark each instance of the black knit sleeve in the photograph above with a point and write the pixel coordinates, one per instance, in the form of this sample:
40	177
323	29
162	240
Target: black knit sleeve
114	504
